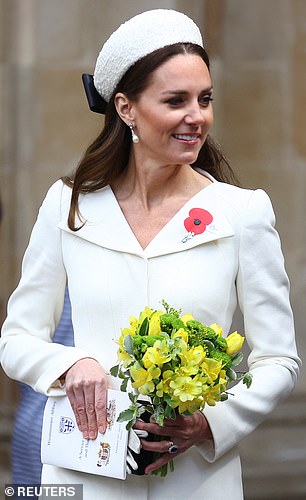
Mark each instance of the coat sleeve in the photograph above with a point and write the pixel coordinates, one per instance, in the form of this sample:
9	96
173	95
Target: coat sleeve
263	295
27	353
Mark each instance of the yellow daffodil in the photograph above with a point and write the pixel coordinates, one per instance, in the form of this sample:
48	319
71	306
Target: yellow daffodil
143	379
181	332
164	385
122	354
133	323
234	343
186	318
195	355
186	388
154	325
191	360
156	355
212	367
217	329
188	406
213	395
222	380
146	313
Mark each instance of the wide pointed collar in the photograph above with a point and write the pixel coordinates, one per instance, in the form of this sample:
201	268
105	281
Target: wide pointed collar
107	226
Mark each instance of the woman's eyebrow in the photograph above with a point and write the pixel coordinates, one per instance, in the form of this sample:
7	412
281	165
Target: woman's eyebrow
184	92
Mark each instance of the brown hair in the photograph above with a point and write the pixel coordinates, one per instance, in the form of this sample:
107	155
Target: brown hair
107	157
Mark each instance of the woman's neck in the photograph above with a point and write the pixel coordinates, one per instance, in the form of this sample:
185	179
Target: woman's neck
151	186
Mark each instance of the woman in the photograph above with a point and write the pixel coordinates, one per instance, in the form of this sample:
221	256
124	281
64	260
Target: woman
115	233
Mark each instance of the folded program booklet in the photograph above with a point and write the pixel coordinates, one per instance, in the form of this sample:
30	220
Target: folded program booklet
63	445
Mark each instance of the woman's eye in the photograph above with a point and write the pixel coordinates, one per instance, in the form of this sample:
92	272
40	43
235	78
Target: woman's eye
205	100
179	101
175	101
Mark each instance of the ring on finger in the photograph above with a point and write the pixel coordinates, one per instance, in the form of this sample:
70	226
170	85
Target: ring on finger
172	448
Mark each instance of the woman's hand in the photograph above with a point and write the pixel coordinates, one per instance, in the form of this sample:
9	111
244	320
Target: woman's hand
86	388
183	432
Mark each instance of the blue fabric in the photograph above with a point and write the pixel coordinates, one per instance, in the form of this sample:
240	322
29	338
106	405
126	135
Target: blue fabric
26	463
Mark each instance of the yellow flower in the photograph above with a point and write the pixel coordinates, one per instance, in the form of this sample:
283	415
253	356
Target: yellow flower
187	406
186	388
122	354
146	313
154	324
217	329
222	380
156	355
186	318
133	323
181	333
192	359
212	367
234	343
143	379
164	385
212	395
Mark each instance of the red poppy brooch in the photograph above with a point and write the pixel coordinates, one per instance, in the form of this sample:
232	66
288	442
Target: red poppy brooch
196	222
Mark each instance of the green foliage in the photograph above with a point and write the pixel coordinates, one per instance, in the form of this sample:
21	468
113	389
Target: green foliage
144	328
247	379
170	323
171	310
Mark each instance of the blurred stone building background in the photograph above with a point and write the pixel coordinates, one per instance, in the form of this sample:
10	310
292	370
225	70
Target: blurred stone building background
258	55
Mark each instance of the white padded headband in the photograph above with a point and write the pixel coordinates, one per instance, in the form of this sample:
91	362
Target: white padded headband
138	37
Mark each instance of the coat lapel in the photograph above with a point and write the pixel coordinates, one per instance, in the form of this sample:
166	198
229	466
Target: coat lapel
107	227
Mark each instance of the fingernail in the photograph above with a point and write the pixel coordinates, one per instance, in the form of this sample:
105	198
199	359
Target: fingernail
92	435
102	430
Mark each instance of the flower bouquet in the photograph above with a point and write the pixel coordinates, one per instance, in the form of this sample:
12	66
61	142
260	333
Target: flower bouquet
176	362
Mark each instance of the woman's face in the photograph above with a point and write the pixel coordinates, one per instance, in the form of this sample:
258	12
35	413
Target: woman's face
173	115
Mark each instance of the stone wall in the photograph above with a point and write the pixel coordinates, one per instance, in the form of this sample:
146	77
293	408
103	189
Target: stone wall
259	68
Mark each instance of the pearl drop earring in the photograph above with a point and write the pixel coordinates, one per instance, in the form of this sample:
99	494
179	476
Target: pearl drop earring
135	137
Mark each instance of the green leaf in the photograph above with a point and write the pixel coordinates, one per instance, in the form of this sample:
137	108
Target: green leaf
167	399
133	397
114	370
170	412
156	400
144	329
247	379
237	358
126	415
130	424
231	374
124	384
128	344
208	344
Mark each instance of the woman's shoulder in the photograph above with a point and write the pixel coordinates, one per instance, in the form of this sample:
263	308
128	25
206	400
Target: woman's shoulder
245	207
57	193
236	195
241	196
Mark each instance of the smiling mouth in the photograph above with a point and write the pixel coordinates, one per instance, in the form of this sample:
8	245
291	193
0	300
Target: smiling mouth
186	137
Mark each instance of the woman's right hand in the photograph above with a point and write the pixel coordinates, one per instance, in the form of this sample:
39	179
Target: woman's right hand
86	387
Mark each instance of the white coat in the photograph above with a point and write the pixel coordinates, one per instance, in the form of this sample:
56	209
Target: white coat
237	260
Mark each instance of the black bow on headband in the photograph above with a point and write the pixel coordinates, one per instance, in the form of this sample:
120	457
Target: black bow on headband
95	100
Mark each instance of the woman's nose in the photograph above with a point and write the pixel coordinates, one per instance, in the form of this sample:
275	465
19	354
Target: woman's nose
195	115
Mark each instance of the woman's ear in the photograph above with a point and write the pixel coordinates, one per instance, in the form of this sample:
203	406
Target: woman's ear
124	107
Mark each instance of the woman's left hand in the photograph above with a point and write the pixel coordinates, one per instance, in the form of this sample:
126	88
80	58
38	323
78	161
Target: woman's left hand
183	432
